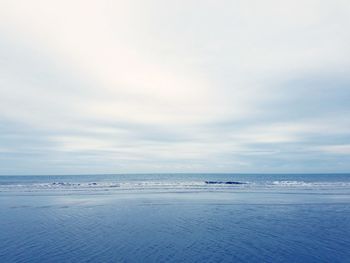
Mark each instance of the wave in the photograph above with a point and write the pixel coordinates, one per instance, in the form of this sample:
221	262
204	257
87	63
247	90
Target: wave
173	186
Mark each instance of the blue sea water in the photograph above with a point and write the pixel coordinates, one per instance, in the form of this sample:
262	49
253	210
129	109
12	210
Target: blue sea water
175	218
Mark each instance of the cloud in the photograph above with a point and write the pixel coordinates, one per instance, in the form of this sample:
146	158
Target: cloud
160	86
336	149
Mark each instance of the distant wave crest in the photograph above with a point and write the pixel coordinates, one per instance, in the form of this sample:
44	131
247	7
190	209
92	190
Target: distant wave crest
172	186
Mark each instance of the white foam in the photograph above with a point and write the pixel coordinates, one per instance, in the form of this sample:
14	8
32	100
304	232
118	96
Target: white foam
171	186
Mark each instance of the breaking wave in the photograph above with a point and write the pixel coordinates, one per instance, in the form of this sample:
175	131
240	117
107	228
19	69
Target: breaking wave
172	186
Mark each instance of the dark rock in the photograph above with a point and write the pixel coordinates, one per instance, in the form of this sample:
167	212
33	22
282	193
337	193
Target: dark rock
222	182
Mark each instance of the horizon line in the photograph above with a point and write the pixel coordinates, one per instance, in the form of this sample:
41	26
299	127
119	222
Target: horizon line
184	173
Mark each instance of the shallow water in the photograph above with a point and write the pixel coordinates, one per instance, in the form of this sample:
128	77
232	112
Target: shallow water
176	219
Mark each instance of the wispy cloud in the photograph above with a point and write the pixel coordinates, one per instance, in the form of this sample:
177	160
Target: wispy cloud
154	86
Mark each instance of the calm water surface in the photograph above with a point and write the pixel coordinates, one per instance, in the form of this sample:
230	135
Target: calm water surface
175	218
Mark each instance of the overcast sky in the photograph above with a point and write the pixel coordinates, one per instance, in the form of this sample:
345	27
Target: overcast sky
174	86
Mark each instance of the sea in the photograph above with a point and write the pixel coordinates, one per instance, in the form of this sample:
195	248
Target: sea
175	218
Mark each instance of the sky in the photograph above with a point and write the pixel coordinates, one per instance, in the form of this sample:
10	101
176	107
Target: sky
153	86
